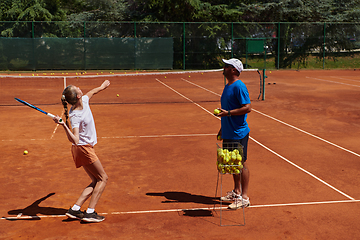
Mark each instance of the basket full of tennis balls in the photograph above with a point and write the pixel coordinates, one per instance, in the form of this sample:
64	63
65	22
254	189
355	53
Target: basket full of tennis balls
229	159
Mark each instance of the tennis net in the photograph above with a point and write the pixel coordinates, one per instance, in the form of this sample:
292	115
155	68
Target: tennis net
131	87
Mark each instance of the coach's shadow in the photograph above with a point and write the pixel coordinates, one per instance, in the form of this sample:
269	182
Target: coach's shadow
34	209
172	197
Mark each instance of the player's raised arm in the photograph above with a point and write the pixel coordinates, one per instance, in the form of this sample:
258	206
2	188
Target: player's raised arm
103	86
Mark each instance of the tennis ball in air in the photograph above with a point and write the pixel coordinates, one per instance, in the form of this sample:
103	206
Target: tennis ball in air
117	95
26	152
216	111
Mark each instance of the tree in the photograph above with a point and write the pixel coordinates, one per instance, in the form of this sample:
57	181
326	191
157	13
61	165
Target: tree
183	11
297	36
96	10
31	10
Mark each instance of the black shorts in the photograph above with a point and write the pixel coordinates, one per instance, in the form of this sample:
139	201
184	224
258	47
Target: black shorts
244	142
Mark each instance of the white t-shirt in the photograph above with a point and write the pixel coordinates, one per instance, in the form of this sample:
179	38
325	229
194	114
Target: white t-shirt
84	120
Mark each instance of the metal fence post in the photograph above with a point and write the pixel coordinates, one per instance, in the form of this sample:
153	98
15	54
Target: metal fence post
135	45
278	45
84	45
184	57
232	39
33	46
324	45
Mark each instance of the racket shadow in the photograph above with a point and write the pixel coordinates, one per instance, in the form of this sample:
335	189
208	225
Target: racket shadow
31	212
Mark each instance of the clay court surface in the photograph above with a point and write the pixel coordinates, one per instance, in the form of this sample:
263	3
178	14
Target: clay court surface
157	142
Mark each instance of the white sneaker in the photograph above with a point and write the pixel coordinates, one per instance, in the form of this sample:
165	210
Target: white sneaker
231	196
240	203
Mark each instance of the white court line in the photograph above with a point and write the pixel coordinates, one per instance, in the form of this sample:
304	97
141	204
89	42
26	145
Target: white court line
117	74
253	206
312	135
333	82
345	79
201	87
21	217
33	139
347	196
187	98
121	137
166	135
305	171
57	125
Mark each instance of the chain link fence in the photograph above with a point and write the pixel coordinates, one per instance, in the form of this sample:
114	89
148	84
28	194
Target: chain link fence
167	45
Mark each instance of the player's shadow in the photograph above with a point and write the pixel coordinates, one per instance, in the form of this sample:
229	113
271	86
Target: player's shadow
31	212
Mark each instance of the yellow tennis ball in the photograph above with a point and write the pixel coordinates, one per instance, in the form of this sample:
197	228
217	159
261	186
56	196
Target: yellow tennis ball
117	95
217	111
233	156
26	152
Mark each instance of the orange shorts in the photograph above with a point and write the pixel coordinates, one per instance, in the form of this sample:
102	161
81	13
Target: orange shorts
83	155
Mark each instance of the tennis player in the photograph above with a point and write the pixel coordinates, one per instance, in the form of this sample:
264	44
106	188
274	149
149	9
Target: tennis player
235	105
83	138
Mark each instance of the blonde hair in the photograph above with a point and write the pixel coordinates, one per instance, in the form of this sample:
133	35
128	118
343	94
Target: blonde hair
68	96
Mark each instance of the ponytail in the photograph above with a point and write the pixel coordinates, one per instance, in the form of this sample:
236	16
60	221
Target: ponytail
69	96
63	100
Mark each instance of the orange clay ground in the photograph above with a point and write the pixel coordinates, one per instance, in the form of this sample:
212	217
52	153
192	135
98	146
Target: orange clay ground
157	142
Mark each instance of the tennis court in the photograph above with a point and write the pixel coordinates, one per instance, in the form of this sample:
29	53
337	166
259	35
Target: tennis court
157	142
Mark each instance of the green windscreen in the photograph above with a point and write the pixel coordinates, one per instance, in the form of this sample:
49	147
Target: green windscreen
86	53
255	45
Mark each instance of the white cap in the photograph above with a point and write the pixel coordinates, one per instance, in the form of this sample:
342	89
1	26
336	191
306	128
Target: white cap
236	63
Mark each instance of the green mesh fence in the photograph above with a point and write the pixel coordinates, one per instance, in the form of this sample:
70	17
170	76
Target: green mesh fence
144	45
86	53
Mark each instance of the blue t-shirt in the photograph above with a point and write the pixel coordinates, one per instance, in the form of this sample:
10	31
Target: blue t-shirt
234	96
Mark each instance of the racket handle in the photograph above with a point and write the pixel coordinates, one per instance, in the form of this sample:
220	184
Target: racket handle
52	116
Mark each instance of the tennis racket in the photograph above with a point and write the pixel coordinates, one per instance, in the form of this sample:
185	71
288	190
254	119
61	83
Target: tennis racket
36	108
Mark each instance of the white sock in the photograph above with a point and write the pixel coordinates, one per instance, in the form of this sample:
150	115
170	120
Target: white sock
90	210
76	207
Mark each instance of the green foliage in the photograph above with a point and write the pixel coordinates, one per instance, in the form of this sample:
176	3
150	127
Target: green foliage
31	10
96	10
204	43
181	10
184	11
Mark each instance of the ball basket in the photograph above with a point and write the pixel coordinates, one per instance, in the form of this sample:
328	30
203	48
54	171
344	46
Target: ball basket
229	158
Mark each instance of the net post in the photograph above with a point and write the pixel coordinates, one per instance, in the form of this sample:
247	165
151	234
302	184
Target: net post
263	84
64	82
